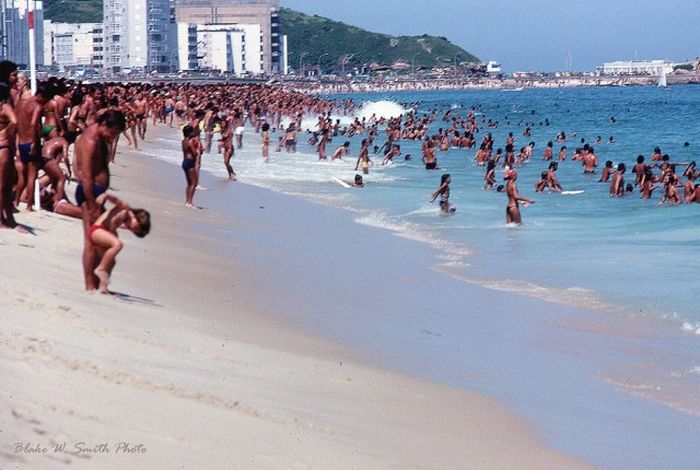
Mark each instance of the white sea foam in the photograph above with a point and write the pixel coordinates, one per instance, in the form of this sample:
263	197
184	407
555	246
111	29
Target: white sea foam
381	109
413	231
574	296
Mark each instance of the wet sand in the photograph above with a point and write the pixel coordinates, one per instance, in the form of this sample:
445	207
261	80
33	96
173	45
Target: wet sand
193	364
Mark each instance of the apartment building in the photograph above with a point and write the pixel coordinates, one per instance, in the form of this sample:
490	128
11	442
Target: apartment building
242	14
136	35
69	44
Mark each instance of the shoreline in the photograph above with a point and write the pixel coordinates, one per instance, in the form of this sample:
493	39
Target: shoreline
535	321
95	368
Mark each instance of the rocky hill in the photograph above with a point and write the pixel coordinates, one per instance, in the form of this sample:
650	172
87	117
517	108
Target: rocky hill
314	36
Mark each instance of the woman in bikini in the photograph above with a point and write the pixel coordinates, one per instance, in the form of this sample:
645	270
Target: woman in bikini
444	192
514	199
50	128
103	233
77	119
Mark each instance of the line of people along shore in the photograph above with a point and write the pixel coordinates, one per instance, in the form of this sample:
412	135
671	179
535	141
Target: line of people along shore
68	131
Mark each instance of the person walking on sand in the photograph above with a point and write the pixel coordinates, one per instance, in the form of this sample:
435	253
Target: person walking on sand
514	199
191	153
102	234
92	167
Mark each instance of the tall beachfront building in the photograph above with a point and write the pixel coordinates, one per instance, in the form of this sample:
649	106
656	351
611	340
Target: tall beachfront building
223	47
248	28
71	44
14	31
136	35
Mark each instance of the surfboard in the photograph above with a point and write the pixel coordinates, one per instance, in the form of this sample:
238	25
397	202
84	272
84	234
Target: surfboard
341	182
572	193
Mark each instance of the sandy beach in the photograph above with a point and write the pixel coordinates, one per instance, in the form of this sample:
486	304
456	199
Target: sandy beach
191	366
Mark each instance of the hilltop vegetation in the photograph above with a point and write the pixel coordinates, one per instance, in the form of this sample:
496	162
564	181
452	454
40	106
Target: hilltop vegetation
315	35
73	11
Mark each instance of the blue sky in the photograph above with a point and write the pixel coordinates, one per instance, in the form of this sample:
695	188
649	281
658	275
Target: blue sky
535	34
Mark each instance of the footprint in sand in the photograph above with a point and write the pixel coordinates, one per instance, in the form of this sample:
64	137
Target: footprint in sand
23	415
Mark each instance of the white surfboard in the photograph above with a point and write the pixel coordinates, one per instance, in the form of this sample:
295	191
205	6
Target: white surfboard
341	182
572	193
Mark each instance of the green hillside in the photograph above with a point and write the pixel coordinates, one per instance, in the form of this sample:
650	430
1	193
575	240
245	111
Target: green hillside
312	36
315	35
73	11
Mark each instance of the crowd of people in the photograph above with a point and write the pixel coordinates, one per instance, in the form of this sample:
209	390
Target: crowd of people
67	131
460	132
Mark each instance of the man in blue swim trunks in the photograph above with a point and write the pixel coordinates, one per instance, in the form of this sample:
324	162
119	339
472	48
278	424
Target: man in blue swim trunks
92	167
28	111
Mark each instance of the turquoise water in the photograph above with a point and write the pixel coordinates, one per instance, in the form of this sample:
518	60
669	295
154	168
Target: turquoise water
587	249
621	257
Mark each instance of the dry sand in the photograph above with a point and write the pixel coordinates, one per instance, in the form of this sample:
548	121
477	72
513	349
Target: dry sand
185	372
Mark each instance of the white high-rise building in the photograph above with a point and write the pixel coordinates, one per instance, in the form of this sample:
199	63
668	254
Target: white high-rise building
264	14
224	47
136	35
69	44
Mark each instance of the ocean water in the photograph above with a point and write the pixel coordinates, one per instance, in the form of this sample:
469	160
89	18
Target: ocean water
585	249
631	263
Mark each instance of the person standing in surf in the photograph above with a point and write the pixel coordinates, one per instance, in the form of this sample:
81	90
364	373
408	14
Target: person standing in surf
227	143
617	186
363	158
444	192
265	137
514	199
429	156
